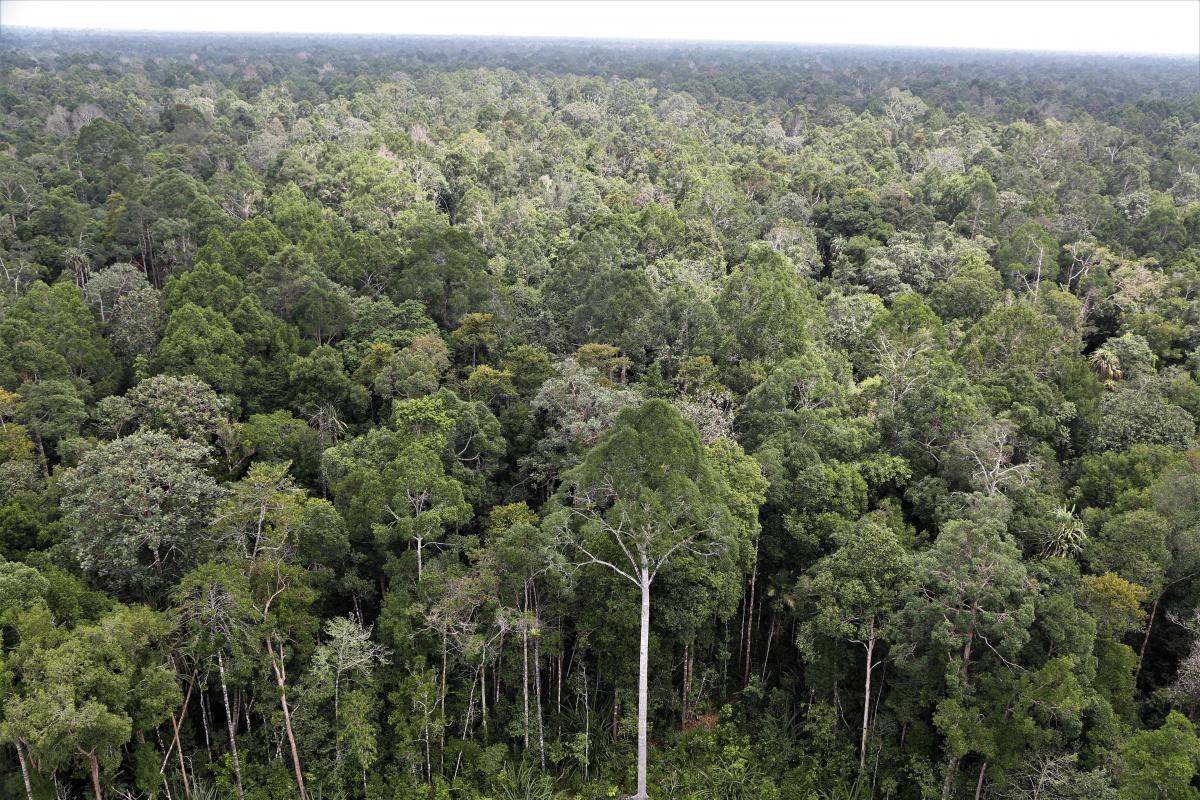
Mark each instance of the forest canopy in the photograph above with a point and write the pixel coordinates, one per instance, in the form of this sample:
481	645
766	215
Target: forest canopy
414	419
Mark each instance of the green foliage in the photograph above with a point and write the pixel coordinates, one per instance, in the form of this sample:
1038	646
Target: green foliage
1161	763
324	371
136	508
201	342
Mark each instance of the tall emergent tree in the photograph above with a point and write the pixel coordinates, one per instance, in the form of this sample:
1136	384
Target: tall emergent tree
645	493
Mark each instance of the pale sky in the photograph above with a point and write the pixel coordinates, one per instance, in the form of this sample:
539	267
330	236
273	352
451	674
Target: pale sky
1097	26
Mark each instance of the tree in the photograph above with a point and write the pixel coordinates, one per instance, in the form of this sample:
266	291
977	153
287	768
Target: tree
50	333
184	407
971	614
901	107
1136	416
445	270
217	622
201	342
260	528
766	311
105	289
52	411
646	492
136	324
1161	764
136	508
575	407
857	590
344	664
475	333
419	499
87	691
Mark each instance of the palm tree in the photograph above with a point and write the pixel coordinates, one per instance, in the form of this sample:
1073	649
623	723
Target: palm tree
1106	365
1066	539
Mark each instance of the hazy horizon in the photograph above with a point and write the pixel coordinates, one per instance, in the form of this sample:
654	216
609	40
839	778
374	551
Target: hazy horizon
1149	28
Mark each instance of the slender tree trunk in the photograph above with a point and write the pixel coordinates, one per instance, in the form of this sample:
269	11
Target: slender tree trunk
687	686
741	645
862	752
750	617
237	767
42	453
525	669
166	785
280	680
951	772
442	700
24	769
90	755
558	698
771	630
204	720
616	714
1146	639
643	687
175	741
428	757
979	783
483	693
179	753
537	679
467	716
587	728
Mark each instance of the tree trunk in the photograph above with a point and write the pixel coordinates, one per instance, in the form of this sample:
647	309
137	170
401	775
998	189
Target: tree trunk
771	629
687	685
237	767
862	752
442	701
90	755
277	667
24	769
979	783
616	715
483	693
1146	640
525	669
537	680
558	697
42	453
750	617
587	728
187	791
643	687
951	772
204	720
176	743
467	716
179	752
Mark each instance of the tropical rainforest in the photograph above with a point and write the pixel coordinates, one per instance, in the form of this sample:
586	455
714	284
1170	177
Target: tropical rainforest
390	419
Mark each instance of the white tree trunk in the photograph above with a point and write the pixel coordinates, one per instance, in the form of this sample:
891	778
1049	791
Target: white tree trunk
643	686
525	669
24	768
862	753
229	723
280	680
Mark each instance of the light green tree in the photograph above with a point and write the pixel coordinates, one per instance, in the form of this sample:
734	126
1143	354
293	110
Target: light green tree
858	591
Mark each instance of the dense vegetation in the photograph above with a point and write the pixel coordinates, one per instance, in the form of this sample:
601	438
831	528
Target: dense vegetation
377	417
